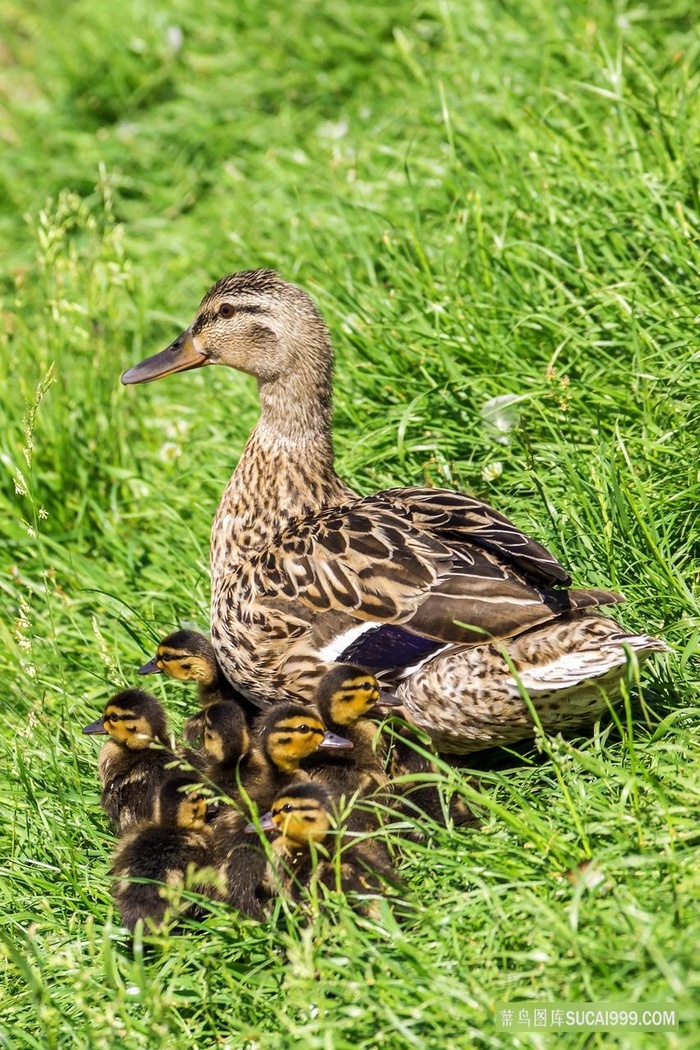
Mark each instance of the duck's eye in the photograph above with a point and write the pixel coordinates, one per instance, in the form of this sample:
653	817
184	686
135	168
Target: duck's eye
304	729
289	808
226	310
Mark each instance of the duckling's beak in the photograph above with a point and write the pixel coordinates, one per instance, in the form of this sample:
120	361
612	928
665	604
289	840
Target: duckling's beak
266	823
333	740
151	667
180	356
387	699
95	727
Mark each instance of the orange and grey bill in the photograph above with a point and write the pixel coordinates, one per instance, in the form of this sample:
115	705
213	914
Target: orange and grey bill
180	356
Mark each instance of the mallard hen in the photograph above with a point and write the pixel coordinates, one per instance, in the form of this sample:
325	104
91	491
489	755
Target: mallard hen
416	584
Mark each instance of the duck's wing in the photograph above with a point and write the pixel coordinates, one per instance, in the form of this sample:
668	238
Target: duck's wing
463	521
371	562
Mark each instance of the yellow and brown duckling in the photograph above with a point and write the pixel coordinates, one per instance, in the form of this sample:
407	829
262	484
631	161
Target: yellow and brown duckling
170	851
241	862
134	762
189	656
347	694
286	735
305	850
226	753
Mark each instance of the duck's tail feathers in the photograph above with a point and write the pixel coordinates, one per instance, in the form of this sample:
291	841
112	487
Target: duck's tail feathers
587	598
639	643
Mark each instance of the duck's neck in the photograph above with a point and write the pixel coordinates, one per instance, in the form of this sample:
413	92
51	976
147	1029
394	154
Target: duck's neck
286	471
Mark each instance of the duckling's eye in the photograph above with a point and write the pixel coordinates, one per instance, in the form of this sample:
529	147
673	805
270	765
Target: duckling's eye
226	310
288	808
304	729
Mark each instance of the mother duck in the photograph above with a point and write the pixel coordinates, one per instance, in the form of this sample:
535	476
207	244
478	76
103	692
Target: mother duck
437	593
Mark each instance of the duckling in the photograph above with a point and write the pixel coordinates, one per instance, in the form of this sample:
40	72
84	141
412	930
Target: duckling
287	734
226	751
166	851
190	657
411	796
134	762
241	863
346	695
301	817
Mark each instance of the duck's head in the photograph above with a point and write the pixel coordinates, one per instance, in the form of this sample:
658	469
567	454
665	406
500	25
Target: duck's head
346	693
301	814
252	321
225	735
186	655
133	719
290	733
182	803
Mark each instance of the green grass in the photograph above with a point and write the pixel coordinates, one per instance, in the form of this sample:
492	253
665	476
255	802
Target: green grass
485	198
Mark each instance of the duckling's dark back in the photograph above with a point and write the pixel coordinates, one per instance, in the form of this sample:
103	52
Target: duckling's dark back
242	861
169	850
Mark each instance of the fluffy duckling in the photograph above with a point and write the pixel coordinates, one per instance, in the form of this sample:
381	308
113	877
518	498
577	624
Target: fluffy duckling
167	851
226	747
301	818
287	734
189	657
412	797
229	761
346	695
133	763
241	862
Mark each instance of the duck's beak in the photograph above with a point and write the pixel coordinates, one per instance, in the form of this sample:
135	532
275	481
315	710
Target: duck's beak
180	356
331	740
266	823
151	667
387	699
95	727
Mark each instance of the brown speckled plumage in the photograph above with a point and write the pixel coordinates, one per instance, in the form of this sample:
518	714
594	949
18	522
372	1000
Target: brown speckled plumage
300	564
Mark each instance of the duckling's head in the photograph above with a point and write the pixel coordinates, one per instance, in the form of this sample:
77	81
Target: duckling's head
225	735
182	803
301	814
133	719
290	733
252	321
186	655
346	693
